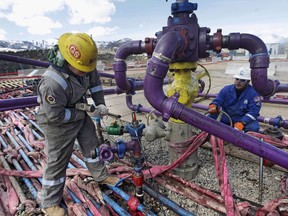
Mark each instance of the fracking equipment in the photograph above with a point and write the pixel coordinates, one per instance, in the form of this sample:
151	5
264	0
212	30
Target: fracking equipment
177	48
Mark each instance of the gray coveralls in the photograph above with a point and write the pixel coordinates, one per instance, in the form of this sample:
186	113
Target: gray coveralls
63	124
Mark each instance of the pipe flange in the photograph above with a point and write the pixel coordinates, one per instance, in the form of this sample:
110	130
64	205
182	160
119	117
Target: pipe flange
217	41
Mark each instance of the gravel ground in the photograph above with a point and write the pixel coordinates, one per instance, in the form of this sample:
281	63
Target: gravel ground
243	178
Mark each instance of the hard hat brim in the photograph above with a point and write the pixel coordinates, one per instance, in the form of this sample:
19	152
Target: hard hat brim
62	47
241	77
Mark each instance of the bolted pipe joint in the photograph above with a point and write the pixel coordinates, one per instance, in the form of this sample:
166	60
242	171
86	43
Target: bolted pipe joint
171	106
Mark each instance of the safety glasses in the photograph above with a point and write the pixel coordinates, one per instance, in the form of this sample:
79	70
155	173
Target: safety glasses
241	80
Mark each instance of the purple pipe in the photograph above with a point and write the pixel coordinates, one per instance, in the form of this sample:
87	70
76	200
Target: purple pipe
44	64
270	100
156	72
236	137
120	67
138	86
271	121
23	60
259	62
18	103
139	107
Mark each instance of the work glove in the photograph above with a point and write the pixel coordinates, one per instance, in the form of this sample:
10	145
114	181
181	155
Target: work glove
239	126
100	110
103	109
213	109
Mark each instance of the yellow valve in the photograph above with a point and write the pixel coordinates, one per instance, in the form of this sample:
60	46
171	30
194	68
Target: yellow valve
184	83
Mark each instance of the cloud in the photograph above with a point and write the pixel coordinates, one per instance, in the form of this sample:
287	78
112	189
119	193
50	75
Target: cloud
40	17
89	12
2	34
100	31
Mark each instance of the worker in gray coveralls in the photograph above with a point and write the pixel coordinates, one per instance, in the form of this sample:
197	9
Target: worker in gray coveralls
63	115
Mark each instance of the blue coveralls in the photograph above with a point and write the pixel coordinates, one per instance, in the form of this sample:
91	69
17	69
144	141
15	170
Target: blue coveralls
245	109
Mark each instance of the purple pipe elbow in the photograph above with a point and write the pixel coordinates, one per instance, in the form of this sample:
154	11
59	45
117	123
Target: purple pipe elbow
120	66
139	108
259	61
157	69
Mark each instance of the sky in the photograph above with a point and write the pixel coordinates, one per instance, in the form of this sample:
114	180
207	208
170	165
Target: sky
110	20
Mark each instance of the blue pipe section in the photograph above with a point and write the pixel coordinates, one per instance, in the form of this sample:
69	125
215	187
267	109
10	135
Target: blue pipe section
81	162
27	181
97	205
114	205
168	203
23	154
76	200
126	197
24	141
32	122
35	133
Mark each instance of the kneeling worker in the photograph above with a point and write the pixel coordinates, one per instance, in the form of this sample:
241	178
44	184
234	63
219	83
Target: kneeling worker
240	101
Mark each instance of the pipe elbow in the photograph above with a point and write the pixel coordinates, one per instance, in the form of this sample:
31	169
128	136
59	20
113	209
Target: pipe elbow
158	66
259	62
120	66
262	84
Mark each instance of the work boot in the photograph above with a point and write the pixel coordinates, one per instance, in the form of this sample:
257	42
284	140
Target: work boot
54	211
111	181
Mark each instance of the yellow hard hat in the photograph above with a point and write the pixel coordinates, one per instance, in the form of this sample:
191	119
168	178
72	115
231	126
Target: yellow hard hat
79	50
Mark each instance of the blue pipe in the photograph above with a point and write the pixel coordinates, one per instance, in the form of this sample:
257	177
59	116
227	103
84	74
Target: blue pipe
76	200
32	122
24	141
165	201
20	137
115	206
37	135
27	181
23	154
96	204
81	162
126	197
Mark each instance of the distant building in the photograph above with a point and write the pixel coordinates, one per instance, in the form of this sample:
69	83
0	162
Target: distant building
276	48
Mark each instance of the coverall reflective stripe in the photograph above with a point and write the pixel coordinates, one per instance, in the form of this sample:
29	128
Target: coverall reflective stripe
62	125
245	109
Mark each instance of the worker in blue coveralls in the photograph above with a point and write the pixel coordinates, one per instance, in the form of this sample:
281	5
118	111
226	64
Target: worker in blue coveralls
240	101
64	115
